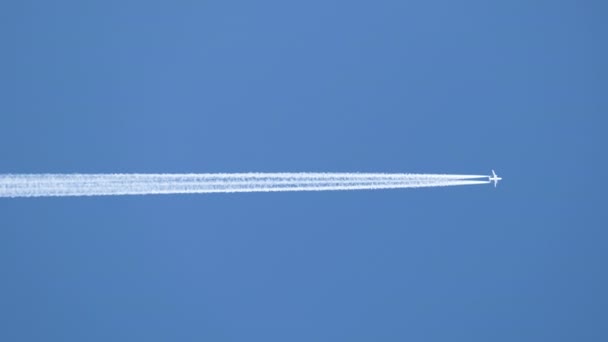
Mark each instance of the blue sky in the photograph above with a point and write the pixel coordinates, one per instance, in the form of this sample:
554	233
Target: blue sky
384	86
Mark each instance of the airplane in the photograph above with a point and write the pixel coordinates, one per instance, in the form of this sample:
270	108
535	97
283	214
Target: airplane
494	178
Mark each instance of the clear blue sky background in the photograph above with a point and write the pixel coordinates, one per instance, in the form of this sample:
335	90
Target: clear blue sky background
233	86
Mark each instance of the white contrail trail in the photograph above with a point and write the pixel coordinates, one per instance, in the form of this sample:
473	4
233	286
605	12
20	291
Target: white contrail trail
45	185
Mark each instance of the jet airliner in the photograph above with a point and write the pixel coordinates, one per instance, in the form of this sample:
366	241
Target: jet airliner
494	178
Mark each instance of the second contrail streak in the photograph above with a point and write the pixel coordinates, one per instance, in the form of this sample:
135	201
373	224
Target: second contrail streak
46	185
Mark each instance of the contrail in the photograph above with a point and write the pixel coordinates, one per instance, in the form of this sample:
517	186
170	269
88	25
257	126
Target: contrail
47	185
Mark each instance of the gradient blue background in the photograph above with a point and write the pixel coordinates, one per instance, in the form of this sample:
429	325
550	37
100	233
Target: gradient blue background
233	86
